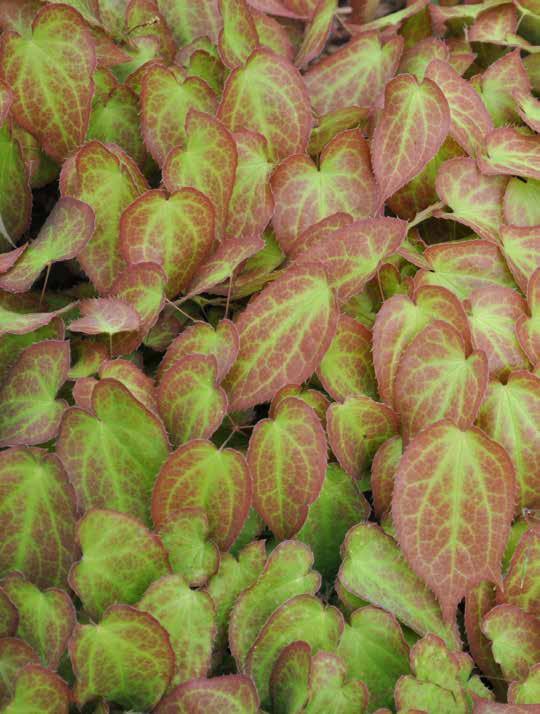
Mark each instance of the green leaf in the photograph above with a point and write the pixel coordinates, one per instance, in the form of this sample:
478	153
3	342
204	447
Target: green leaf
188	616
199	475
375	652
113	455
15	194
289	683
31	413
522	581
40	691
46	619
330	687
515	638
127	658
230	694
190	401
238	38
120	559
375	570
303	617
356	428
190	551
287	573
339	506
14	655
50	74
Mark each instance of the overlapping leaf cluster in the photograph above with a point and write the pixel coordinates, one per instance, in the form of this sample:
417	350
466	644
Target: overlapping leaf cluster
269	357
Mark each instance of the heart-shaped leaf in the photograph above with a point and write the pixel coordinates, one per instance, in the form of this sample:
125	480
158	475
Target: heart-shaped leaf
166	98
508	151
437	379
50	75
399	155
356	428
306	193
37	516
198	475
14	656
176	232
228	694
105	316
289	683
188	616
250	101
127	658
521	249
293	316
375	570
239	37
205	161
46	619
113	455
30	412
473	532
120	559
521	583
39	690
190	401
287	459
515	638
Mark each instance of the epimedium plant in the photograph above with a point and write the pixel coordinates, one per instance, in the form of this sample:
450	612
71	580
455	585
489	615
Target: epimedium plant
269	357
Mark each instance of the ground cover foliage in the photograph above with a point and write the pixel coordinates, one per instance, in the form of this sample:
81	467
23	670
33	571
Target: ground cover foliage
269	357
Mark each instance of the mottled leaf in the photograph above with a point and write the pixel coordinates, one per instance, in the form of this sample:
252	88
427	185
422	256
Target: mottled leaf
515	638
228	694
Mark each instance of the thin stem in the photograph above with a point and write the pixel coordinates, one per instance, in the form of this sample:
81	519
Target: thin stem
47	273
425	214
176	307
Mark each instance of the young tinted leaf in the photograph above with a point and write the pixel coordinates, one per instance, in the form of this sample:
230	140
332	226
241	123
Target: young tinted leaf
37	516
190	551
528	328
113	455
510	414
251	203
528	691
374	569
306	193
188	617
522	581
287	573
375	652
508	151
230	694
14	655
190	401
189	20
464	266
301	618
205	161
38	690
351	255
356	428
54	105
31	413
347	367
108	180
105	316
478	602
46	619
15	319
198	475
437	379
289	683
498	84
221	342
521	249
143	287
465	528
493	313
166	98
417	57
120	558
127	658
383	471
235	575
238	38
521	206
355	75
338	507
287	459
267	95
330	687
134	379
470	120
317	32
291	323
515	638
68	228
176	232
475	200
399	155
15	194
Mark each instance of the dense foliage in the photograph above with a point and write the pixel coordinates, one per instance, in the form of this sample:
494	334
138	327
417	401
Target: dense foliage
269	357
